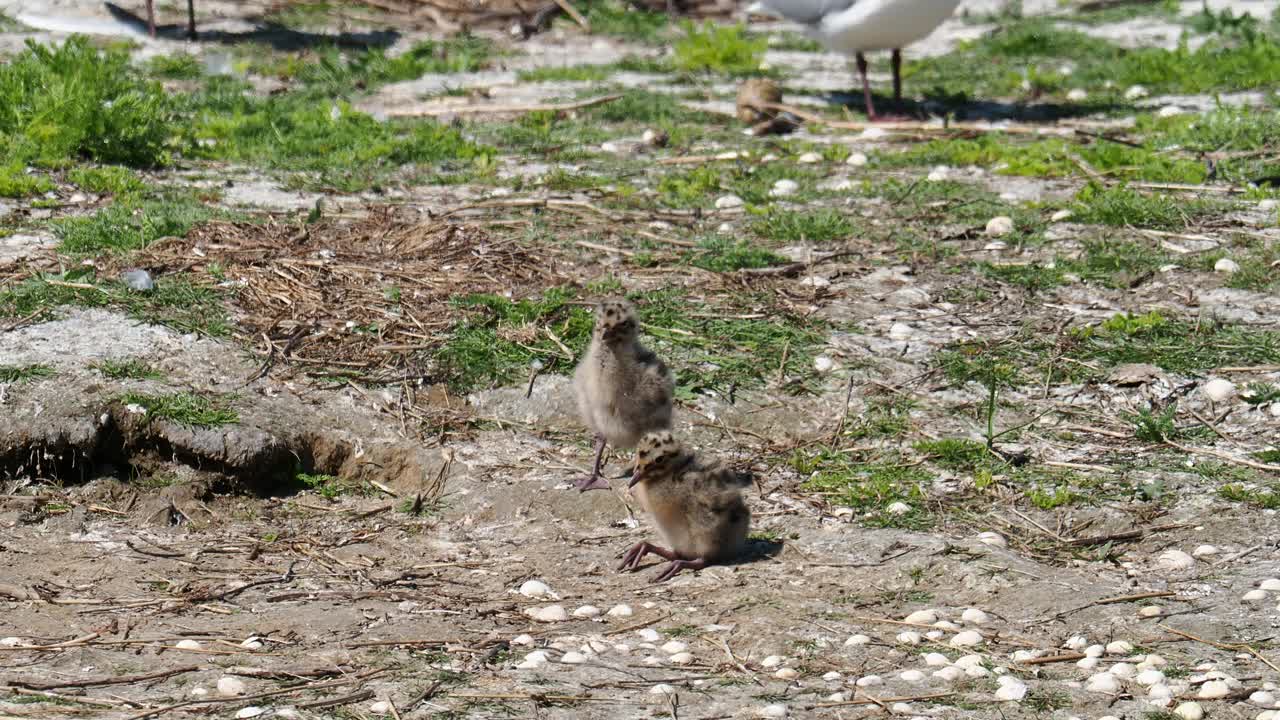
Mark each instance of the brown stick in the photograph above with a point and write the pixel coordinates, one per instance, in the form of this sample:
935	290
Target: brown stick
246	698
1132	598
100	682
1223	456
882	701
503	109
572	11
1069	657
919	127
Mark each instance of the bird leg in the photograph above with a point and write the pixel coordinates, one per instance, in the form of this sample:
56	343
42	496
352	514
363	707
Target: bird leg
675	566
631	560
594	482
151	17
191	19
896	61
866	85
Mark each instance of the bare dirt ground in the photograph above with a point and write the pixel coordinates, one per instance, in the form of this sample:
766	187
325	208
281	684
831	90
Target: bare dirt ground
996	476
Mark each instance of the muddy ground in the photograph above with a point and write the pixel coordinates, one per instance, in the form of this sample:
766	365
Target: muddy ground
351	523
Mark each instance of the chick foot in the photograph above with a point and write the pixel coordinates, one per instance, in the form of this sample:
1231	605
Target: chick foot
675	566
631	560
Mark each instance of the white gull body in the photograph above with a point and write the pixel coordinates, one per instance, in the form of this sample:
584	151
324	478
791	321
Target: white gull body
849	26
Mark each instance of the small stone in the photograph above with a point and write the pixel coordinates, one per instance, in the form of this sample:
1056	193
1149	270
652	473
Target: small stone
938	174
1088	663
823	364
912	676
1175	560
573	658
1263	698
976	672
535	589
1150	611
662	689
993	539
1135	92
1214	690
839	697
968	638
231	686
1012	692
1102	683
772	661
587	611
681	658
1204	551
11	642
1169	111
810	157
784	188
547	614
649	635
786	674
252	643
1189	711
620	611
1123	670
1226	265
139	280
949	674
522	640
1120	647
857	160
974	616
815	281
857	640
900	331
996	246
1061	215
249	712
936	660
382	707
1268	715
832	676
776	710
910	638
1218	390
673	647
1076	642
1255	596
969	661
1149	677
199	692
898	508
1270	585
869	681
1077	94
935	634
188	645
1159	690
728	202
999	226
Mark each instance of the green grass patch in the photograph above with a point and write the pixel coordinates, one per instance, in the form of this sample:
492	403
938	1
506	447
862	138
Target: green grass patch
132	225
330	487
870	488
803	226
76	101
719	253
108	179
127	369
18	374
724	49
1121	206
1267	498
176	66
177	302
957	454
343	70
1174	345
700	186
1260	393
622	20
16	182
885	417
188	409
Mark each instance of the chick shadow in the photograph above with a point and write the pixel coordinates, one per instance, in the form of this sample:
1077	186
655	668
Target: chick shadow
267	32
960	107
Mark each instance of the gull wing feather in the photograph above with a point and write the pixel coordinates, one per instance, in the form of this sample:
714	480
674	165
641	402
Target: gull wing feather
805	12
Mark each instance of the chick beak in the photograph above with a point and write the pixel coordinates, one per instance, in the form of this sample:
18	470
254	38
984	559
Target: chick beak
637	476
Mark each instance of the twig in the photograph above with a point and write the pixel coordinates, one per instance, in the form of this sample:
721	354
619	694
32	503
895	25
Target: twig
1223	456
881	701
246	698
122	680
340	700
502	109
1069	657
1134	598
1223	646
573	13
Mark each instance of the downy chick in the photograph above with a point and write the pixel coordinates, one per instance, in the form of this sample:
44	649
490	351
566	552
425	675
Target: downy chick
623	389
696	504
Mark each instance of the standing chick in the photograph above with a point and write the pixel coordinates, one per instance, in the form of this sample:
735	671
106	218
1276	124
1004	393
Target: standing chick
697	506
623	389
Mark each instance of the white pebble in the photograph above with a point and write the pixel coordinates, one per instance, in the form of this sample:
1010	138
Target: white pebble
772	661
662	689
909	638
251	643
681	658
974	616
922	617
199	692
1218	390
776	710
1088	663
1094	651
382	707
1159	691
1268	715
1150	611
898	508
1077	94
587	611
188	645
810	157
1123	670
620	611
996	245
784	188
1169	111
1150	677
999	226
1120	647
912	676
832	676
1189	711
992	538
1020	656
1263	698
969	661
901	331
1011	691
231	686
937	175
900	709
949	674
1076	642
1176	560
573	658
823	364
727	202
249	712
1226	265
1214	690
787	674
1271	584
548	614
1204	551
839	697
936	660
976	672
1255	596
869	681
1061	215
935	634
968	638
1135	92
857	159
857	640
1102	683
535	589
12	642
673	647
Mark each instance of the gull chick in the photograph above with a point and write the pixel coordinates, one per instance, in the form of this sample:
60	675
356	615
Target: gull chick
623	389
696	504
858	26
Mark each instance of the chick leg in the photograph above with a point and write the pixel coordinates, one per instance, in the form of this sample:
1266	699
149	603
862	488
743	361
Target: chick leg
866	85
191	19
896	60
151	18
594	482
676	566
631	560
